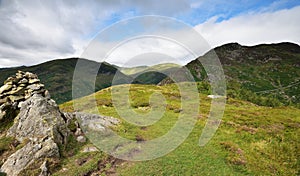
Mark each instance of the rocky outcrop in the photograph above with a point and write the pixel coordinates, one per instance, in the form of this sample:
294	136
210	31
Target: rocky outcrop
85	122
39	118
42	125
30	153
39	123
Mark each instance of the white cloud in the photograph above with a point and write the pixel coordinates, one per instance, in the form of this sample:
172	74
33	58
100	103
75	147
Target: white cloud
254	28
34	31
177	45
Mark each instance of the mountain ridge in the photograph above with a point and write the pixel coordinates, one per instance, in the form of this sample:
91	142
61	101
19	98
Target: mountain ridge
256	68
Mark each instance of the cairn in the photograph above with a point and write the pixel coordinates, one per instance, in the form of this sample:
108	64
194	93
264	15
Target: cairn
19	88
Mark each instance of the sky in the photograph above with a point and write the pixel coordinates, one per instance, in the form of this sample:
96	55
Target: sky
35	31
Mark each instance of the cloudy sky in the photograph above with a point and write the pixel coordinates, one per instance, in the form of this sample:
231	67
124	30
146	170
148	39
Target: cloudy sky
34	31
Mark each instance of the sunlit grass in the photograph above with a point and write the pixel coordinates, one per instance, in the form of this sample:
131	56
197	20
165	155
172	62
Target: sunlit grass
251	140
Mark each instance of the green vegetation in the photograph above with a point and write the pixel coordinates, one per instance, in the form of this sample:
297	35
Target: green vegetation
57	75
251	140
269	71
151	75
140	69
258	135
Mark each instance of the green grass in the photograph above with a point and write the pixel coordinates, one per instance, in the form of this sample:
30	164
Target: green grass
251	140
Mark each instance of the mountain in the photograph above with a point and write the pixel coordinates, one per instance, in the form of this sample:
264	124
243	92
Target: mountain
58	76
139	69
263	74
271	70
151	74
132	70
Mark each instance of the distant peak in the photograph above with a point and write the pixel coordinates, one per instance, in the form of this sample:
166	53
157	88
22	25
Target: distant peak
231	46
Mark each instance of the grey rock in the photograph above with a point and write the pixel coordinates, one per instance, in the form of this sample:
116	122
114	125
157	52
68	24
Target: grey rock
35	86
88	149
41	122
23	81
39	118
25	156
95	125
98	120
20	104
81	139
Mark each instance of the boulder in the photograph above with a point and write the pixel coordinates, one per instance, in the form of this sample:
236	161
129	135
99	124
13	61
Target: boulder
39	118
42	124
39	121
27	155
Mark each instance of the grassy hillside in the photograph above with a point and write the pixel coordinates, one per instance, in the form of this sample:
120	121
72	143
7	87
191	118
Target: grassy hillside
267	70
139	69
251	140
57	75
150	74
132	70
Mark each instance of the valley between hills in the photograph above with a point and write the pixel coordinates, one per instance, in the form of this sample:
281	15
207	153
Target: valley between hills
258	134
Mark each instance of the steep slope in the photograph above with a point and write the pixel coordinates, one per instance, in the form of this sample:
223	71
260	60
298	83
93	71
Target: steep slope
268	70
58	75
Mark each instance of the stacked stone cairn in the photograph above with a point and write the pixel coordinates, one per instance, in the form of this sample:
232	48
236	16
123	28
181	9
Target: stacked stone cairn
19	88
